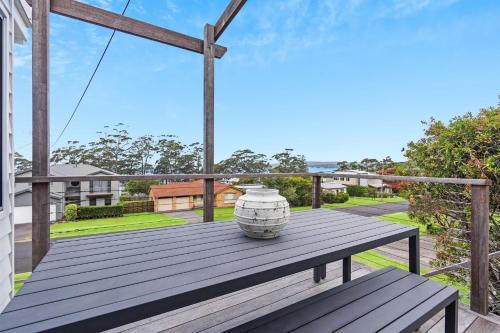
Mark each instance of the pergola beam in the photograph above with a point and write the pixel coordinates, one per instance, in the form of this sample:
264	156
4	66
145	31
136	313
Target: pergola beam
227	16
107	19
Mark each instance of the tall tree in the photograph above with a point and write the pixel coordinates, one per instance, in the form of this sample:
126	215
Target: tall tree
244	161
73	153
141	154
110	150
289	163
21	163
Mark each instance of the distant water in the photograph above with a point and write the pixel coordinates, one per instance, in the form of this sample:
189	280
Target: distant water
321	169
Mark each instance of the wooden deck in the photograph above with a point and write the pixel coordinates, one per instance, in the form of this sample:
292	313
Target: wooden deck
228	311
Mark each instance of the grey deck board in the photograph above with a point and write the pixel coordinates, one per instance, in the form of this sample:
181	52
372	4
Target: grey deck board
214	259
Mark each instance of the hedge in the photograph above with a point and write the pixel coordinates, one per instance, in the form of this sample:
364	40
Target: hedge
97	212
330	197
140	206
357	191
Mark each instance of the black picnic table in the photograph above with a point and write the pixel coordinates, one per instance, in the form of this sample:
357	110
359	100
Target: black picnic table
101	282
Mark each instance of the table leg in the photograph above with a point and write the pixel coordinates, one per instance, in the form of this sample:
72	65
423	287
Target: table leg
451	318
323	271
346	269
414	249
317	274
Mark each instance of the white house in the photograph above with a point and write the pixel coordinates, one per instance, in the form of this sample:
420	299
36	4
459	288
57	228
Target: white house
334	187
347	180
15	17
87	193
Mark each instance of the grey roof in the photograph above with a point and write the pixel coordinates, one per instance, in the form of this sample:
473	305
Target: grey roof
332	186
73	170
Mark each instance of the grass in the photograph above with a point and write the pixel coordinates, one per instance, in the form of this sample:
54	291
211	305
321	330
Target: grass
404	218
227	214
129	222
374	259
19	280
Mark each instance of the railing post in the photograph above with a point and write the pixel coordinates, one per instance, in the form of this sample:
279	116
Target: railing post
40	132
479	249
208	121
316	192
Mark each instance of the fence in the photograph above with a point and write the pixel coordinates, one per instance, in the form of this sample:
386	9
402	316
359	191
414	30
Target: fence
459	208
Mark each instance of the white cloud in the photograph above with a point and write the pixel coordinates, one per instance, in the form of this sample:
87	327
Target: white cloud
402	8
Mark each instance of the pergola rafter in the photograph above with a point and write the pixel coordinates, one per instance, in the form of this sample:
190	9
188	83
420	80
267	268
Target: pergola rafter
40	91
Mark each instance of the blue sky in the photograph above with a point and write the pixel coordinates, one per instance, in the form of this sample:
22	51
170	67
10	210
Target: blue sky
335	80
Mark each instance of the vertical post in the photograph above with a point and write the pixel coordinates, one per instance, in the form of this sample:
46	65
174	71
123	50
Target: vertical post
208	121
316	192
479	274
40	154
346	269
414	253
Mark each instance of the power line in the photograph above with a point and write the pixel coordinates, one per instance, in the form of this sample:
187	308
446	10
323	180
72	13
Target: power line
90	81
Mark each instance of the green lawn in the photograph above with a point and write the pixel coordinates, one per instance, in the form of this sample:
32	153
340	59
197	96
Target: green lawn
403	218
128	222
378	261
227	214
19	280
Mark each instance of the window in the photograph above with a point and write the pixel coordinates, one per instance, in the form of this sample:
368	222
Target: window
348	179
107	201
75	184
100	186
230	198
92	202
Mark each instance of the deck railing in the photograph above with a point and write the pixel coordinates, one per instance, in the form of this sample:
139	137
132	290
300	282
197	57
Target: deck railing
477	226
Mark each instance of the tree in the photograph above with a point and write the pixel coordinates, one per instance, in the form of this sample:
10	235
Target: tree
141	153
110	150
140	187
296	190
468	147
288	163
21	163
73	153
243	161
343	166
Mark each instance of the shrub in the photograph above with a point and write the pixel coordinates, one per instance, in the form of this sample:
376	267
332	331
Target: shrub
140	186
139	206
357	191
97	212
328	197
127	197
341	197
70	212
296	190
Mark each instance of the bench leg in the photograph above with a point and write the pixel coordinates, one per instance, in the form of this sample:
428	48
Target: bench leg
414	249
317	274
451	318
346	269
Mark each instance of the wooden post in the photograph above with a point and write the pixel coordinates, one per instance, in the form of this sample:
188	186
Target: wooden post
208	123
316	192
479	274
40	154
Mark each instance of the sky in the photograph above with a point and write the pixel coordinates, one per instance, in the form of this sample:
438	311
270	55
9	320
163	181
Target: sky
334	80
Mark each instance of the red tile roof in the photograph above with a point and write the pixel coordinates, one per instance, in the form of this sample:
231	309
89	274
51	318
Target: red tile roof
182	189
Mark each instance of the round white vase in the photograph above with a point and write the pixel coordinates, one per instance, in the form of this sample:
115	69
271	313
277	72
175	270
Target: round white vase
262	213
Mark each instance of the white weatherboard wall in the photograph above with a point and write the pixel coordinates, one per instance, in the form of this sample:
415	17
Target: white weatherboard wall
15	20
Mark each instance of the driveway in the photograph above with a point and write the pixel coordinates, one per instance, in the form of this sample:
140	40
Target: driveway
377	210
189	215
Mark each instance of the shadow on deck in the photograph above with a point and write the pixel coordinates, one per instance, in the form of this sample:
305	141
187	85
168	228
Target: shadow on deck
231	310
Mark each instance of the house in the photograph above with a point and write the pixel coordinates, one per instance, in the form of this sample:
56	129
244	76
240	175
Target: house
15	18
88	193
377	184
189	195
334	187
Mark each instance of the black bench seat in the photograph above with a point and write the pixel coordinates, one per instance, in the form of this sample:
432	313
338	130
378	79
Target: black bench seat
389	300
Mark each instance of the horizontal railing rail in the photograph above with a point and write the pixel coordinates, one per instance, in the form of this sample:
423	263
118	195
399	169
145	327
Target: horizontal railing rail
409	179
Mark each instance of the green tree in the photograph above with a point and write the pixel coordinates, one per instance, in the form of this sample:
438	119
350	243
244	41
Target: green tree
289	163
467	147
343	166
244	161
141	153
21	163
73	153
110	150
297	190
140	187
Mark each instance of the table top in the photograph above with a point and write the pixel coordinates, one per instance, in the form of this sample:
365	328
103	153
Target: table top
101	282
